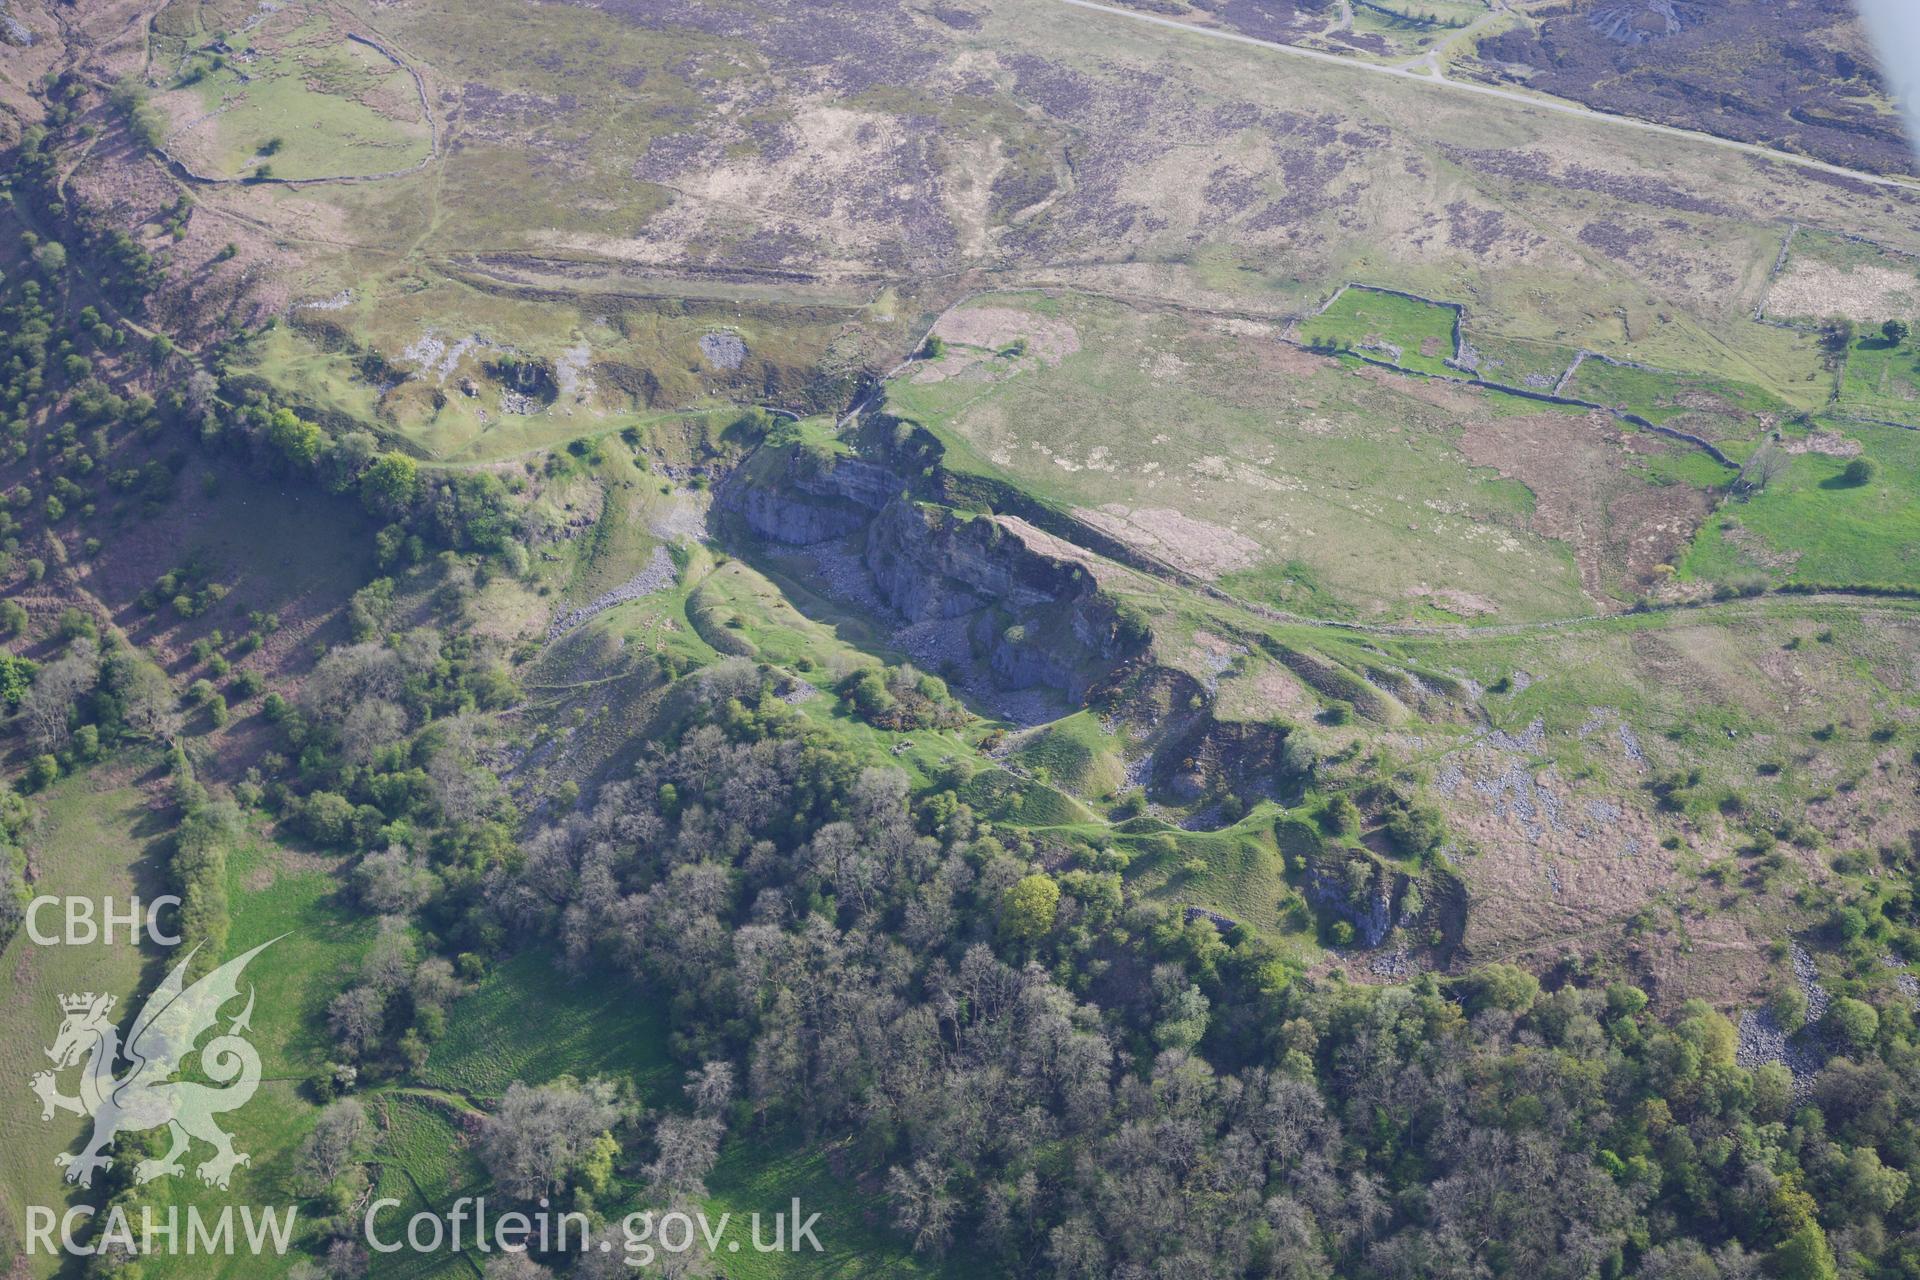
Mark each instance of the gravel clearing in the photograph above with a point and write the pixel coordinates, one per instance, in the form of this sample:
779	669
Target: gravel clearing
844	575
1761	1040
1630	744
1515	795
437	360
338	302
12	30
657	575
1808	976
723	350
1531	739
798	691
572	371
1908	984
1394	964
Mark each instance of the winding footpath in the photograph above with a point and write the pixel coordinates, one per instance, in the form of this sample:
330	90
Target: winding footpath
1510	95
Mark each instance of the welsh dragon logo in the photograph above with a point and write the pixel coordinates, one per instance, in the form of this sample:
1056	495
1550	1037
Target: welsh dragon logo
162	1038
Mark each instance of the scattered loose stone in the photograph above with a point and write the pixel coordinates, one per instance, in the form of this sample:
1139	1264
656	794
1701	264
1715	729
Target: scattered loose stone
657	575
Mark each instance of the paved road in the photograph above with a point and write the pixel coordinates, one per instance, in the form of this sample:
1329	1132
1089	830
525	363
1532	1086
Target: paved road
1510	95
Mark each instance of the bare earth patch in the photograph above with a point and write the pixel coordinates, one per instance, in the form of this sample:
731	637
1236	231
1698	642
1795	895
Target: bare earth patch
1192	546
1269	691
1000	327
1759	550
1589	494
1463	603
1867	294
1830	443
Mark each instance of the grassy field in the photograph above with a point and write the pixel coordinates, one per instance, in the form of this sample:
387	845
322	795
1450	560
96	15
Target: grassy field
1239	873
1414	335
601	197
276	894
528	1021
1283	475
96	840
764	1174
1077	754
1715	408
1810	525
1534	365
425	1163
290	95
382	347
1882	380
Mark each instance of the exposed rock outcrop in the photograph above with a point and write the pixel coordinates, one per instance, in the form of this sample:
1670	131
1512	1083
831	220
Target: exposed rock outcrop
802	496
1033	618
1032	614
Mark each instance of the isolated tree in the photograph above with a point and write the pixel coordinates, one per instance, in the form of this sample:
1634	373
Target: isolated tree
1871	1186
51	257
350	676
389	962
144	693
1342	815
368	727
388	485
463	791
1860	471
710	1088
1763	467
1299	754
346	458
297	440
1804	1255
1772	1090
1504	986
595	1265
1836	333
433	986
1789	1007
1895	331
202	392
346	1259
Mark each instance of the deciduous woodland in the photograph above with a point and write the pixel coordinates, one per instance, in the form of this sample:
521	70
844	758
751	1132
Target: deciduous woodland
1092	647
